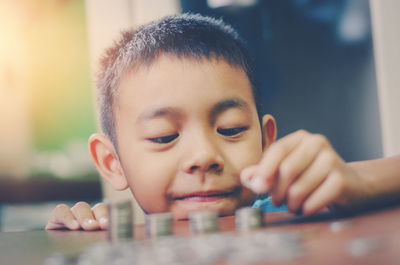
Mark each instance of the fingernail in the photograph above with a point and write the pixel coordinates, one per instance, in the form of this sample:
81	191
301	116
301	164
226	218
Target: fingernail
247	182
89	222
103	221
73	224
258	184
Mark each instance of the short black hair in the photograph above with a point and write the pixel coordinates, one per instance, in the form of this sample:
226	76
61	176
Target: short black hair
185	36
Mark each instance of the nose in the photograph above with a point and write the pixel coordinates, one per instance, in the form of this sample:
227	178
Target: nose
203	156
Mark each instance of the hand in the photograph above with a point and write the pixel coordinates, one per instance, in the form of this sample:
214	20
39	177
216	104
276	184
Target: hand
80	216
305	171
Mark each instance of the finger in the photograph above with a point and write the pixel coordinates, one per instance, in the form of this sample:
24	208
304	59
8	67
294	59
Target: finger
276	153
83	213
326	194
247	174
309	180
296	163
62	217
100	212
257	185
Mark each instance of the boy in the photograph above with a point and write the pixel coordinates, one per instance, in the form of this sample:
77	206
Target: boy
179	110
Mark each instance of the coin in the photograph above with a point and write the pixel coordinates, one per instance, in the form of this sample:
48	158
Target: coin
120	220
338	226
203	222
364	245
248	218
55	259
159	224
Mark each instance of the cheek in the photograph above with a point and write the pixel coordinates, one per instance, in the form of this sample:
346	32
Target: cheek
245	154
149	177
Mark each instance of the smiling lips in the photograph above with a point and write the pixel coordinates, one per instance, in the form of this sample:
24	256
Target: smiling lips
206	196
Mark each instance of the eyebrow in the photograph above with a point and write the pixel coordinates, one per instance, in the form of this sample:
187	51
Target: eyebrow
215	110
159	112
228	104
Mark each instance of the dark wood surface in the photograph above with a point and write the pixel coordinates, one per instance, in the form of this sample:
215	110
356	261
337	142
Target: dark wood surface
321	244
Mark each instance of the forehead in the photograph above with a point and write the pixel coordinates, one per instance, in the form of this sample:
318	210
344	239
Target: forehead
187	79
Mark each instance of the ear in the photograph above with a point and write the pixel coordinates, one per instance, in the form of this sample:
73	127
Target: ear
106	160
269	130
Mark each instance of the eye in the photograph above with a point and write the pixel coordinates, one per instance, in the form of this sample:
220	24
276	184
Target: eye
164	139
231	131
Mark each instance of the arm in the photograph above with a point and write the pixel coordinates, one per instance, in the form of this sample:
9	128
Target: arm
303	170
382	176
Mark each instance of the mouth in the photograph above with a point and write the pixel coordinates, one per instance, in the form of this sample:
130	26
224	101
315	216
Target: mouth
206	196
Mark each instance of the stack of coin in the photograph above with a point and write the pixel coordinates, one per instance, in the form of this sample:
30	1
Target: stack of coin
203	222
120	225
159	224
248	218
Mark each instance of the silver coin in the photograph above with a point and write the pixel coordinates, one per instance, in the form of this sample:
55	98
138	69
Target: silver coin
248	218
248	248
362	246
203	222
159	224
120	225
56	259
265	246
338	226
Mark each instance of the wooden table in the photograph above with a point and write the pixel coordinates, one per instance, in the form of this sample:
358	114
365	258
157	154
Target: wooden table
321	244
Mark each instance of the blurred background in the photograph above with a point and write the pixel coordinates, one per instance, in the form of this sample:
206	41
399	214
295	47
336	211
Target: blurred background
315	62
46	107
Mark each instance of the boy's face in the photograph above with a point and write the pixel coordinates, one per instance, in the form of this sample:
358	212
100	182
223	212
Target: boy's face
185	130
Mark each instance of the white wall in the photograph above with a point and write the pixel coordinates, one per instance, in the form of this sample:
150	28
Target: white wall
386	36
